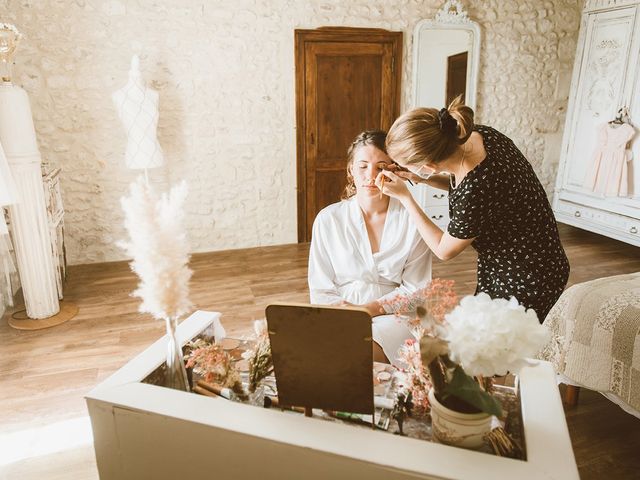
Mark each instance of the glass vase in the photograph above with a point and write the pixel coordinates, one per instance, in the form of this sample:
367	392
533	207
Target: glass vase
176	373
256	397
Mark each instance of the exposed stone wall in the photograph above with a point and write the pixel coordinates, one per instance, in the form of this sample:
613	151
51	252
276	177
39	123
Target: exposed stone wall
525	74
225	73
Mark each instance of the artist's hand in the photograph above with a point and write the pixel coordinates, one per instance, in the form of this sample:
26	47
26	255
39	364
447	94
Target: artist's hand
407	175
393	185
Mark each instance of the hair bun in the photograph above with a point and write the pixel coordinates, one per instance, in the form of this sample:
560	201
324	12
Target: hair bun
448	124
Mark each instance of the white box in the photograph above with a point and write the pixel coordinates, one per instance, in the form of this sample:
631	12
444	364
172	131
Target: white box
145	431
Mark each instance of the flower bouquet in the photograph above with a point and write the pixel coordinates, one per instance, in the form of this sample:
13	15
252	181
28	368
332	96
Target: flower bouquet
159	250
460	352
260	359
222	375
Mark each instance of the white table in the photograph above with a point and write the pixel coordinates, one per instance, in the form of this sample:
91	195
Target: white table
145	431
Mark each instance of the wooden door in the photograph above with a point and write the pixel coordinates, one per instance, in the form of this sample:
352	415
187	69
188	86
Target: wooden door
347	81
456	76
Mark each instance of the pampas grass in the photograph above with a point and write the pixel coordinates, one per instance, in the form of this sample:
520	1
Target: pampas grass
159	248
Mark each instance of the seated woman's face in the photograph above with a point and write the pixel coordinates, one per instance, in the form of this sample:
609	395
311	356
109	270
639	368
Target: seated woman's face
368	162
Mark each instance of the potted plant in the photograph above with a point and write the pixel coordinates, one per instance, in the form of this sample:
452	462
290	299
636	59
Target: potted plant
460	352
159	250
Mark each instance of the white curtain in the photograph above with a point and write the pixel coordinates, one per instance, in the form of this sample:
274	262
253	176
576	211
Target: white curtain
8	273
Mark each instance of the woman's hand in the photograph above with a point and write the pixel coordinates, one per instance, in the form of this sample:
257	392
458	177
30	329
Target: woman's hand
391	184
373	308
406	175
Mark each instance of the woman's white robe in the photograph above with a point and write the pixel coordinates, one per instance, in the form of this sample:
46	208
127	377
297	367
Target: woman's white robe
342	266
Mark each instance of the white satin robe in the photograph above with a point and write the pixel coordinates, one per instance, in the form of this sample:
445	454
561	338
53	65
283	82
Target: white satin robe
342	267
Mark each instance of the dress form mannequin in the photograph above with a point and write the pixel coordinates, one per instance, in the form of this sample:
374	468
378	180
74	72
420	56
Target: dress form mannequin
29	221
137	108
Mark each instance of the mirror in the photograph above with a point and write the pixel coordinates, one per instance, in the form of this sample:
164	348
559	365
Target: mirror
446	57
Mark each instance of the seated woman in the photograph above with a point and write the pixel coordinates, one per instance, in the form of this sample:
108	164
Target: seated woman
366	249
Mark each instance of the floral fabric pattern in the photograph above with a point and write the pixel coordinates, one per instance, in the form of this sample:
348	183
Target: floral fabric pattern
502	204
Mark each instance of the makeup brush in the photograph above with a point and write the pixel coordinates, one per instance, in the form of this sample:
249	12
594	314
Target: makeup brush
398	168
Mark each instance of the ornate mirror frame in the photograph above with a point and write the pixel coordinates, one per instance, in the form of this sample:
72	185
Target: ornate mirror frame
451	16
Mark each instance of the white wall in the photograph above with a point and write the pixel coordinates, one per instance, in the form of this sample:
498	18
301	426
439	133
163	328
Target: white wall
225	72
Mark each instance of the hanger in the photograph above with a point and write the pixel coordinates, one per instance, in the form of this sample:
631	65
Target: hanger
621	117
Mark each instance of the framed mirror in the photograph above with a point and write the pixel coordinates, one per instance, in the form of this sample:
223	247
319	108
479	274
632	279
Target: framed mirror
446	57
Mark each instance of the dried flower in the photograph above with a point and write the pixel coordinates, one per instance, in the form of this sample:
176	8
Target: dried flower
428	304
439	298
260	360
214	364
417	377
159	248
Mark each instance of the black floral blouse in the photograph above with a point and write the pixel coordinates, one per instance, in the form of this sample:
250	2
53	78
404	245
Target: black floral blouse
502	204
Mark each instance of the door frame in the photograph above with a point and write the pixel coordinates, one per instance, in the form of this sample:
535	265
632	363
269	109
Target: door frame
339	35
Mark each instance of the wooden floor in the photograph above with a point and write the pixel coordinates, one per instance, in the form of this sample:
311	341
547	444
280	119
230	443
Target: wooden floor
44	374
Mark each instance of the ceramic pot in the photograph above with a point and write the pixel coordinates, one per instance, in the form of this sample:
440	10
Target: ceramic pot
464	430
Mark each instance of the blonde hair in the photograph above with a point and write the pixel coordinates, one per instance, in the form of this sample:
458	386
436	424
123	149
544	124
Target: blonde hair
368	137
429	135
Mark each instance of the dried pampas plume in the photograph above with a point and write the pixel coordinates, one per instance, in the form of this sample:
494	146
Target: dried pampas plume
159	249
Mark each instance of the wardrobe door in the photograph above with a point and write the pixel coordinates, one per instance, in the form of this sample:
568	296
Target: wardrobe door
632	101
599	92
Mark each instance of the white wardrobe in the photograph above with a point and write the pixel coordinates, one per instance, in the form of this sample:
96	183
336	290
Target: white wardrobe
606	78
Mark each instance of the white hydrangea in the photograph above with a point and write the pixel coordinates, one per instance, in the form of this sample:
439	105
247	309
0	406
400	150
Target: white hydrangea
492	337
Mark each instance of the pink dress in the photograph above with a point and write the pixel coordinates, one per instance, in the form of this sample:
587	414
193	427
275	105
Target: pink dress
609	174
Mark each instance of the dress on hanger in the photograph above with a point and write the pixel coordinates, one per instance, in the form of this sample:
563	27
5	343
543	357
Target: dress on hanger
609	173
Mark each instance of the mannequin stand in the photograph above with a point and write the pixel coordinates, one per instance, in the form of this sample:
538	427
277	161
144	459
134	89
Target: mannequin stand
20	321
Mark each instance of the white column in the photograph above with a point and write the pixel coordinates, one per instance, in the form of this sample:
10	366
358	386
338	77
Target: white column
29	221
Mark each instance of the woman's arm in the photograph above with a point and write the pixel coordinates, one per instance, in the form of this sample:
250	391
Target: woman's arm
440	181
443	245
321	276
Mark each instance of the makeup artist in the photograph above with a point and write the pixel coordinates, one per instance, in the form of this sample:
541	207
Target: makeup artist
496	203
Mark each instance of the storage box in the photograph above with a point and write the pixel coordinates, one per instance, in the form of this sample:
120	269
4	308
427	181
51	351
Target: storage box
145	431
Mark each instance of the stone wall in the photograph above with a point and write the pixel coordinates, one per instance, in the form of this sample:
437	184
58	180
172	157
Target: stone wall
225	73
